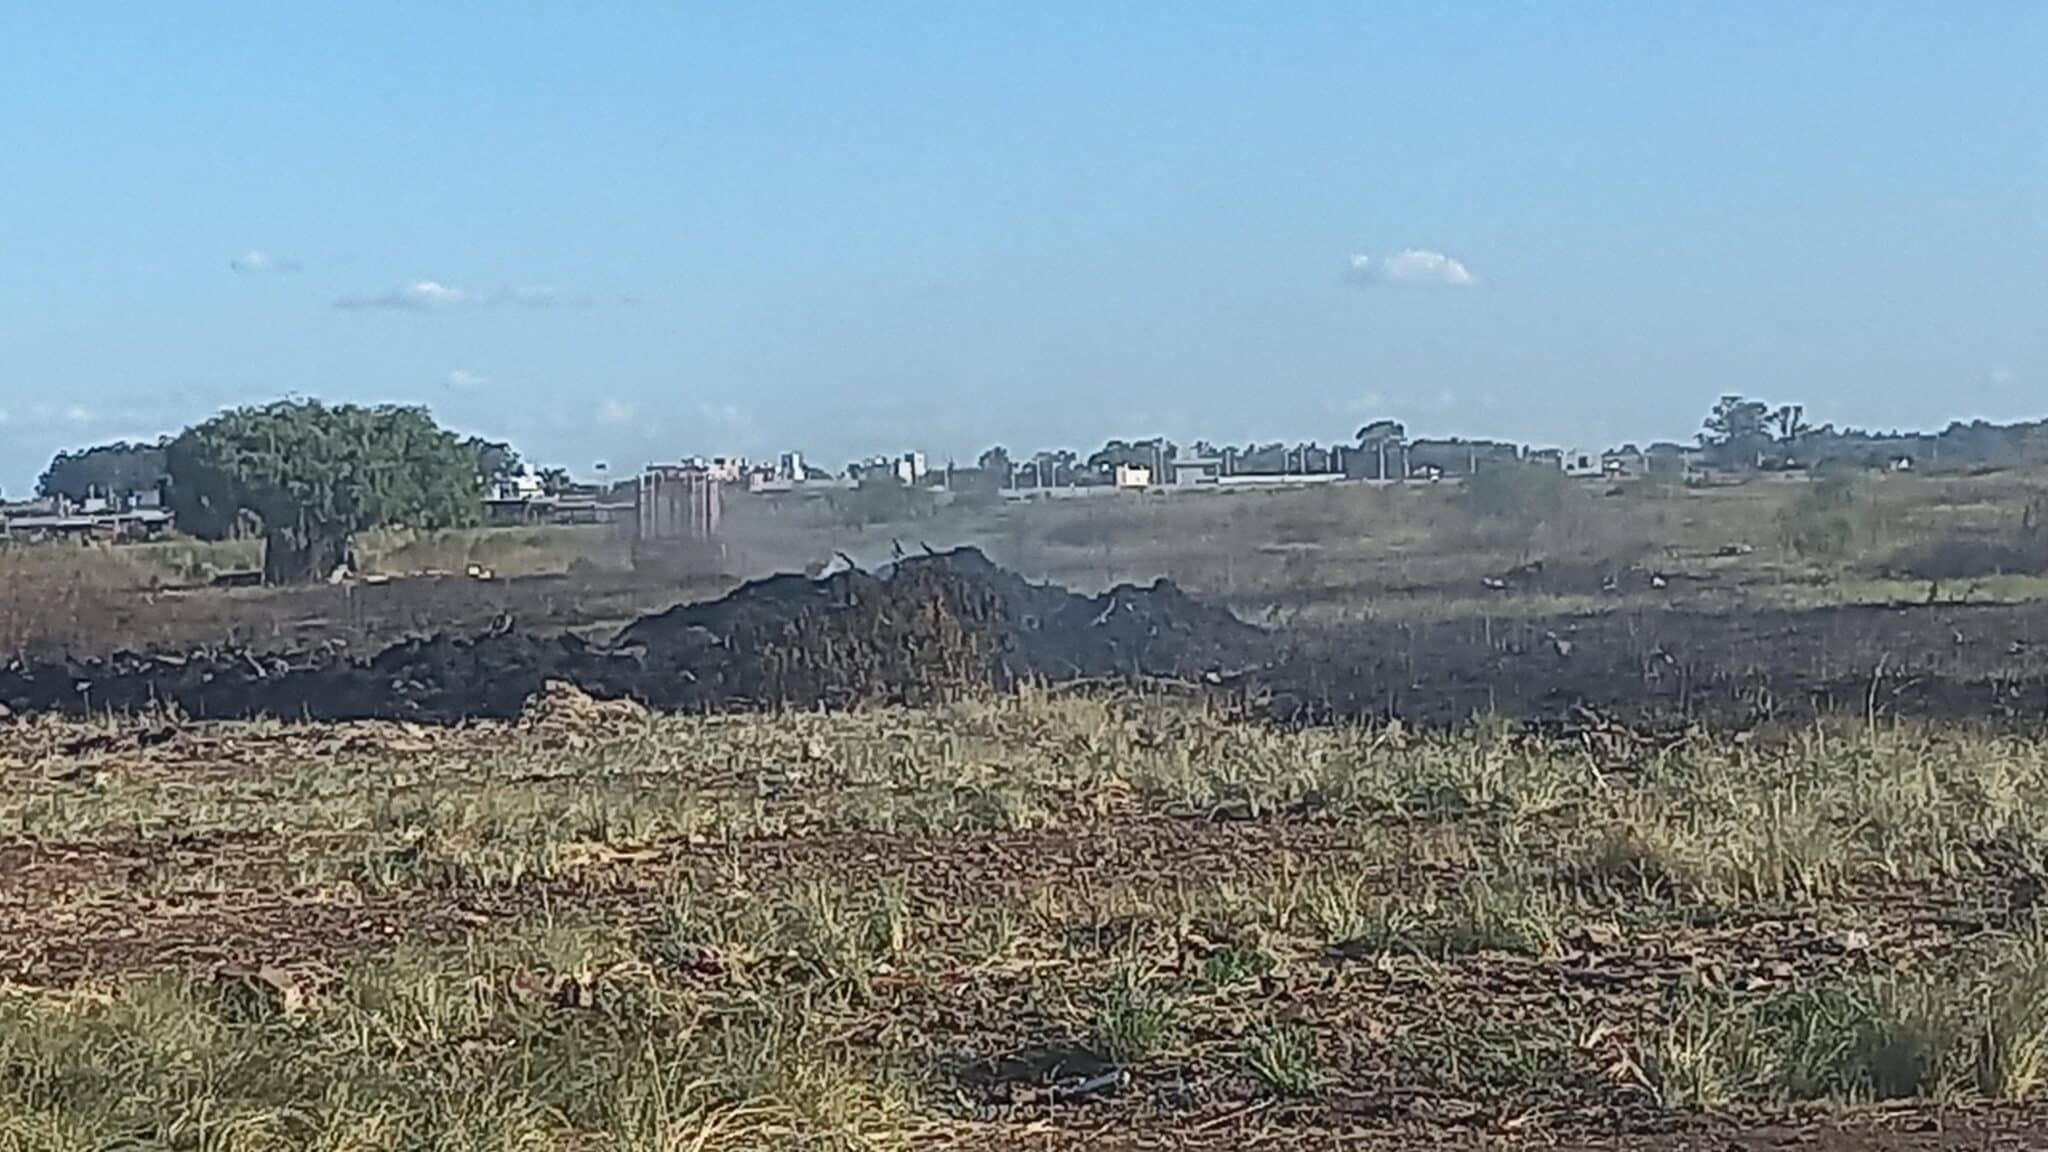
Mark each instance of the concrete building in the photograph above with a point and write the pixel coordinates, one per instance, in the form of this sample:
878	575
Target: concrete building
677	503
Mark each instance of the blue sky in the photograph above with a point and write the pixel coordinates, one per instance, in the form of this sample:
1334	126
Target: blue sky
637	231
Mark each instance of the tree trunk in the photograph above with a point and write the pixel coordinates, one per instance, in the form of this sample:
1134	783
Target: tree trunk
293	557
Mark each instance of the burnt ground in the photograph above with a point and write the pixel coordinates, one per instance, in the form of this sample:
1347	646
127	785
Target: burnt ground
951	623
932	627
360	618
1955	661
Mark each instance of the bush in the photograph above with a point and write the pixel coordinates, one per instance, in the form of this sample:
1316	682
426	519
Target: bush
1823	521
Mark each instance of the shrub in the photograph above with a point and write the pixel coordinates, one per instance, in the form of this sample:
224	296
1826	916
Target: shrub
1823	521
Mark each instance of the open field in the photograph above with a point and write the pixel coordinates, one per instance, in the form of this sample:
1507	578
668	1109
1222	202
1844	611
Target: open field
1030	921
1666	818
1329	556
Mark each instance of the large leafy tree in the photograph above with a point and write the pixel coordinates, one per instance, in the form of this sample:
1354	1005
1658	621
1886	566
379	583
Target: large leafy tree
309	477
1737	432
495	460
995	467
106	470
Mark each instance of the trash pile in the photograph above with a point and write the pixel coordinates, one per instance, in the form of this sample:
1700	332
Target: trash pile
926	628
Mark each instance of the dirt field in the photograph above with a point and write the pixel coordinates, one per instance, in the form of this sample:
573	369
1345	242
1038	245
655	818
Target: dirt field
1026	922
1625	835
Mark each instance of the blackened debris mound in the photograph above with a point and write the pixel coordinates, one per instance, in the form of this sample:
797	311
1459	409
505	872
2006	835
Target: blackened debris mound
923	629
927	628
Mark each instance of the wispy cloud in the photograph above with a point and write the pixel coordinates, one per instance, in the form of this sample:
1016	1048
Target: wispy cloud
464	378
437	296
257	262
1412	266
4	417
418	296
613	411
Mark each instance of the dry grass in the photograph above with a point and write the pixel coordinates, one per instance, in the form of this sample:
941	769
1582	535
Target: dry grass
851	930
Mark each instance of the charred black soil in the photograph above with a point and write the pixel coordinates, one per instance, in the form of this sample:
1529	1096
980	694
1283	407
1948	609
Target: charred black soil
935	627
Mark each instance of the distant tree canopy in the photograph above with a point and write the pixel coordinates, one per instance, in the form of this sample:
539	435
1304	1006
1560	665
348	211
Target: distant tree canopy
495	460
555	481
310	477
1131	453
1737	432
996	462
106	470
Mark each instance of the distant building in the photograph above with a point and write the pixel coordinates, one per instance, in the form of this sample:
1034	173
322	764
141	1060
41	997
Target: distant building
1198	469
521	485
1456	457
1623	462
724	469
677	503
1132	476
1580	463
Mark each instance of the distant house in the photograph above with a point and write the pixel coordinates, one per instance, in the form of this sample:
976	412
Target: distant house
1580	463
521	485
1198	470
1626	461
1548	457
1132	476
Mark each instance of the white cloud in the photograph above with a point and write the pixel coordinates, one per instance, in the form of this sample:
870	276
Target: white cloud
4	417
2003	377
435	296
78	414
1412	266
464	378
614	411
257	262
418	296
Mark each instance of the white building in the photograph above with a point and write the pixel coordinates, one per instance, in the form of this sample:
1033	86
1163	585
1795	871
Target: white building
1579	462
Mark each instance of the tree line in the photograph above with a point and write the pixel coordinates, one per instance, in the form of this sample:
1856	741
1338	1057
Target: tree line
307	477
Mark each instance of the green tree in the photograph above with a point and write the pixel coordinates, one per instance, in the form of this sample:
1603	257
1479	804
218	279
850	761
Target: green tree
1789	421
1737	432
310	476
996	463
106	470
495	460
